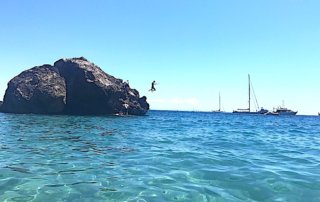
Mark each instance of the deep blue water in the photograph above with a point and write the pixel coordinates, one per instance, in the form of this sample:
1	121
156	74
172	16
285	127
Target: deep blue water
164	156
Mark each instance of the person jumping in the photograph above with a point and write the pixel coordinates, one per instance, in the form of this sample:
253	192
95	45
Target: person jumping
152	86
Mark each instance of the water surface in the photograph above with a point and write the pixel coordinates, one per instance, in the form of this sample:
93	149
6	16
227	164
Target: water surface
164	156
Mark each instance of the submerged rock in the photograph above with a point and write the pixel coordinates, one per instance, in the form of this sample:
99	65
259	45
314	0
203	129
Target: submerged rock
71	86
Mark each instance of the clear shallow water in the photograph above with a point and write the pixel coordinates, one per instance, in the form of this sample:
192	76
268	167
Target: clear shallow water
165	156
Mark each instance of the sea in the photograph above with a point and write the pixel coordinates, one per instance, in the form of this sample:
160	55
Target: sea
163	156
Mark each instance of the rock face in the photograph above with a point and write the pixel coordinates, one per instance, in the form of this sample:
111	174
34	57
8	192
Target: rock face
38	90
71	86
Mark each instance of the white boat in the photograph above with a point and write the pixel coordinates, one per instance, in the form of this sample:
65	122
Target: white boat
285	111
272	113
248	110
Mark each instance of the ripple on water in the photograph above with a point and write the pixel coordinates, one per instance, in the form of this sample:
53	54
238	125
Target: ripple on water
165	156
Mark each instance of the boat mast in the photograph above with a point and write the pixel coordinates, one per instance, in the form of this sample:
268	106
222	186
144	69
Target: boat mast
219	102
249	92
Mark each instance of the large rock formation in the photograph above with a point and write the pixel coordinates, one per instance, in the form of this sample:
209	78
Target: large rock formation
71	86
37	90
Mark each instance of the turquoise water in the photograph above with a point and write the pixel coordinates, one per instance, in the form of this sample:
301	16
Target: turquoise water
165	156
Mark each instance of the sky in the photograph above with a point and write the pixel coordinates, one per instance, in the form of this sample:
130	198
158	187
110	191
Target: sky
194	49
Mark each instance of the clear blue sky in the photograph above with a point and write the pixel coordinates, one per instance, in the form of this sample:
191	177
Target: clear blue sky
192	48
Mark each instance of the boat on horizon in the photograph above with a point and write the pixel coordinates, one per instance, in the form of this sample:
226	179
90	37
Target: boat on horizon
248	110
272	113
282	111
219	110
285	111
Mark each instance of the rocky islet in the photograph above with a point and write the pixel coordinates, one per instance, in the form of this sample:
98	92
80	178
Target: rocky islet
71	86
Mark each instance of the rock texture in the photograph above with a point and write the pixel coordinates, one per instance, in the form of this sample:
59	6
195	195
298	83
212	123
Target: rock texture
71	86
38	90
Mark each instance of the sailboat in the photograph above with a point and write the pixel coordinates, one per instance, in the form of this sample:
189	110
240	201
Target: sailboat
248	110
219	110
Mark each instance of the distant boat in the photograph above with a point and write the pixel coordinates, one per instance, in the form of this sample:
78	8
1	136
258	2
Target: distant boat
219	110
285	111
248	110
272	113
